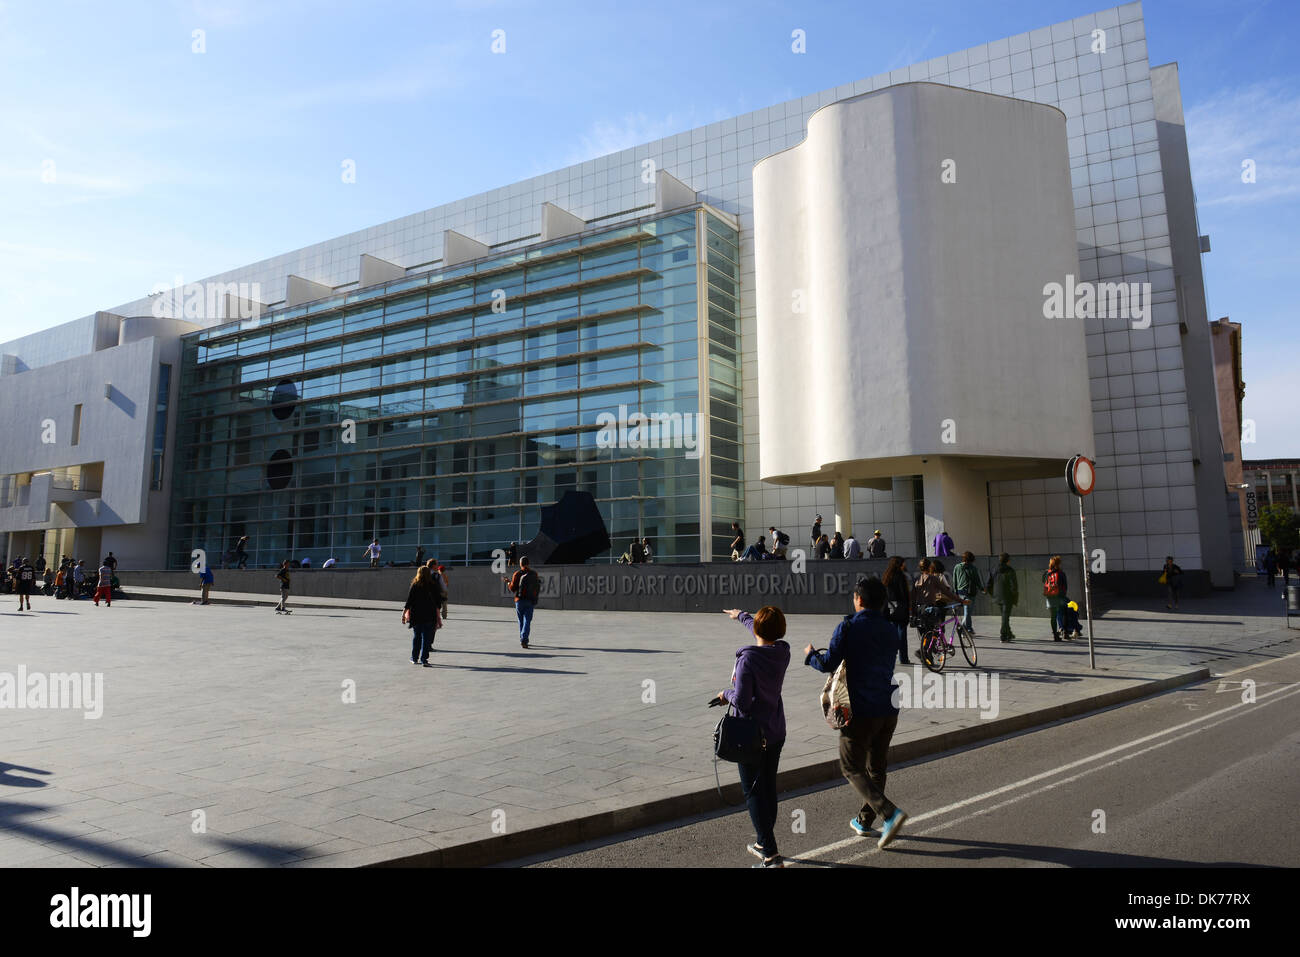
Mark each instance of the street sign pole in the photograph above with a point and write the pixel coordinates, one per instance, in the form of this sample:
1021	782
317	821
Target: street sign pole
1087	584
1081	477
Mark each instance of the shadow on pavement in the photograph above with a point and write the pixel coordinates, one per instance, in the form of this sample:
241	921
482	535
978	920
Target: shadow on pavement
951	849
15	782
97	852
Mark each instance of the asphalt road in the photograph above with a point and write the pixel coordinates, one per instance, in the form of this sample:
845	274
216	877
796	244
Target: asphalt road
1193	777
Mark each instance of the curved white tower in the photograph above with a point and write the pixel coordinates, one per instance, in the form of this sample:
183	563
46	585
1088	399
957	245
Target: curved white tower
901	253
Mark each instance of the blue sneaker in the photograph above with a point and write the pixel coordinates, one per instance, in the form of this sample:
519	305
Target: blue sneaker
861	829
893	824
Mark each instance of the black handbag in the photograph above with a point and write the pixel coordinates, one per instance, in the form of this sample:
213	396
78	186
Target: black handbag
738	739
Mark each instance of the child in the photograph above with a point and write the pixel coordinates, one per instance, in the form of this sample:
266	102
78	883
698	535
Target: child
1070	617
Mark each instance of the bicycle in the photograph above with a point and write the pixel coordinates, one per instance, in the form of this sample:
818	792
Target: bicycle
937	638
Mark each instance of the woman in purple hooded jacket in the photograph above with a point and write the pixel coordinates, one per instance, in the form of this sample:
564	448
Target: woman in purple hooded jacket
755	692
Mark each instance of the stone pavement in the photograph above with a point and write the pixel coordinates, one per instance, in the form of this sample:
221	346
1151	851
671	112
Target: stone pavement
243	715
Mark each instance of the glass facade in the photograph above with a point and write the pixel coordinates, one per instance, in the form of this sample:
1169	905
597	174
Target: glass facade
445	409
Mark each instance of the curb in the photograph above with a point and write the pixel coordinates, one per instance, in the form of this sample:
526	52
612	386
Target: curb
549	837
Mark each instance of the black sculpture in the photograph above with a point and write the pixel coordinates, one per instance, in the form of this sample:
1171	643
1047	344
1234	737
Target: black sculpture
572	531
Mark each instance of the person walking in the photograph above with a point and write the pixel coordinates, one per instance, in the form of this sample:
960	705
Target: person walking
737	541
1270	566
446	589
25	583
206	579
943	545
1055	590
372	552
816	531
512	555
876	545
852	549
526	586
421	613
837	545
898	602
1172	576
755	693
419	555
241	552
104	587
111	562
967	583
283	576
866	643
1005	590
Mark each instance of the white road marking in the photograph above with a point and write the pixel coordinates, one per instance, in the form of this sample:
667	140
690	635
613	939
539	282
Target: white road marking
958	805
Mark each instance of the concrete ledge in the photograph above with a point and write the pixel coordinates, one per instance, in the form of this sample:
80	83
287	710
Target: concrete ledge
538	840
820	588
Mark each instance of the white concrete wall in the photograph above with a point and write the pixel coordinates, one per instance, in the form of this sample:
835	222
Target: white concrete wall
922	299
116	431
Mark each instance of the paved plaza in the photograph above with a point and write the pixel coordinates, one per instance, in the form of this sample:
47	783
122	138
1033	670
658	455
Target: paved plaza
232	736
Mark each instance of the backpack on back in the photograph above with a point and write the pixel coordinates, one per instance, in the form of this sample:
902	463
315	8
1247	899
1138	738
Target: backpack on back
782	537
1052	587
530	586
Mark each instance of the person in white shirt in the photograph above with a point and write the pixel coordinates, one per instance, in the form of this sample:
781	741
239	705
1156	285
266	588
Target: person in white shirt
851	547
372	552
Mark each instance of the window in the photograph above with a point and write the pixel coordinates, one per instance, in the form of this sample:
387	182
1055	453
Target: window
76	423
160	425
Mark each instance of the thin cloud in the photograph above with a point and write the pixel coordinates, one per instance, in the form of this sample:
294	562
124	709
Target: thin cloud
1254	123
611	136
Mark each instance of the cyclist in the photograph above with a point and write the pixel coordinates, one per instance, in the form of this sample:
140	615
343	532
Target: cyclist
930	598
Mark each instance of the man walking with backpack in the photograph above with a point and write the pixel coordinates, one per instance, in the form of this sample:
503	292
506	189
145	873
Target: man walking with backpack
526	585
779	542
865	643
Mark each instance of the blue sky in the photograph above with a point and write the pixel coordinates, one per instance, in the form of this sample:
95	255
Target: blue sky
167	162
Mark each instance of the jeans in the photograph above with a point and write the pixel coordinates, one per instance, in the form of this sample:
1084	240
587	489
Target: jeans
902	641
524	612
1054	605
965	609
421	640
1006	622
758	780
864	753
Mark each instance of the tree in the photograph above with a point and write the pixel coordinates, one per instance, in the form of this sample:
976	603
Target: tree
1279	527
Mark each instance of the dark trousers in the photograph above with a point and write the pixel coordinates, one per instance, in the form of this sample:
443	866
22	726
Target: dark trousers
864	754
1006	622
421	640
758	780
902	641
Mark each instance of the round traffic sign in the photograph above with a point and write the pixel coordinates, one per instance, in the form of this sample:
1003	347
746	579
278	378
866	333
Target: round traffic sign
1081	475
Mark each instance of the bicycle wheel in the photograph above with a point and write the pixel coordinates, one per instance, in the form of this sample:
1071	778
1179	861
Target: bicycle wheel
967	644
934	651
